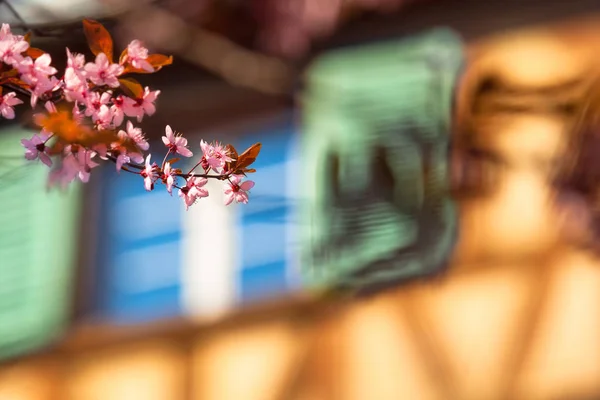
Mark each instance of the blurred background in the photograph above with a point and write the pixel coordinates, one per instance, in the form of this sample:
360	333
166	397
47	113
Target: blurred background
458	220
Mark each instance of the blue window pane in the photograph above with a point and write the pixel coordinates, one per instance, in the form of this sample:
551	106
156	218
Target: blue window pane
266	222
140	255
265	281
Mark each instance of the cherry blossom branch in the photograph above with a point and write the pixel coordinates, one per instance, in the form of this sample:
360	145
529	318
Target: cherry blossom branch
15	88
140	167
196	166
86	108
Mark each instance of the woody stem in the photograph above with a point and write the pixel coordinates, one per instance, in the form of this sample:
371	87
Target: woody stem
141	167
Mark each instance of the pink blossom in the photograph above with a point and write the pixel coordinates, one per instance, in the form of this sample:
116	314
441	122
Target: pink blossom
176	143
42	86
193	190
65	173
136	135
34	71
168	177
101	72
5	32
215	156
7	102
77	162
103	118
77	114
50	107
137	56
101	149
38	74
124	158
149	174
117	110
11	46
36	148
10	51
75	86
76	61
145	104
85	164
94	103
237	190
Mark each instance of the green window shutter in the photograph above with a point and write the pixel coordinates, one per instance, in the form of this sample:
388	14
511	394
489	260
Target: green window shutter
38	243
375	161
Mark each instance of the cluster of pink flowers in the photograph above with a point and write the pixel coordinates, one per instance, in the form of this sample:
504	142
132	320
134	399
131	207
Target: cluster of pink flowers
97	123
214	159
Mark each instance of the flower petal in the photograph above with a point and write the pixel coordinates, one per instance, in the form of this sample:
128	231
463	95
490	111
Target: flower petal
169	134
247	185
184	151
45	159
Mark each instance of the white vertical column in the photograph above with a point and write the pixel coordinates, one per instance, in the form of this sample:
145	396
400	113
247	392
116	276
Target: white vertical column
209	255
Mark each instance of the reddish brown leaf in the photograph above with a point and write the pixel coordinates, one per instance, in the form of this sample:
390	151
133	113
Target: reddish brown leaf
5	72
156	60
131	87
27	37
63	126
248	157
5	75
173	160
55	147
232	152
34	53
122	56
108	137
98	38
67	131
159	60
15	81
244	171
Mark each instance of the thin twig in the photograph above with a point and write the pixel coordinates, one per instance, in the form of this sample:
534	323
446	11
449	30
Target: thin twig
221	177
15	88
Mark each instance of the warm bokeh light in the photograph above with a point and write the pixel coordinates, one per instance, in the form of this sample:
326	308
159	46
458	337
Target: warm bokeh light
152	370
